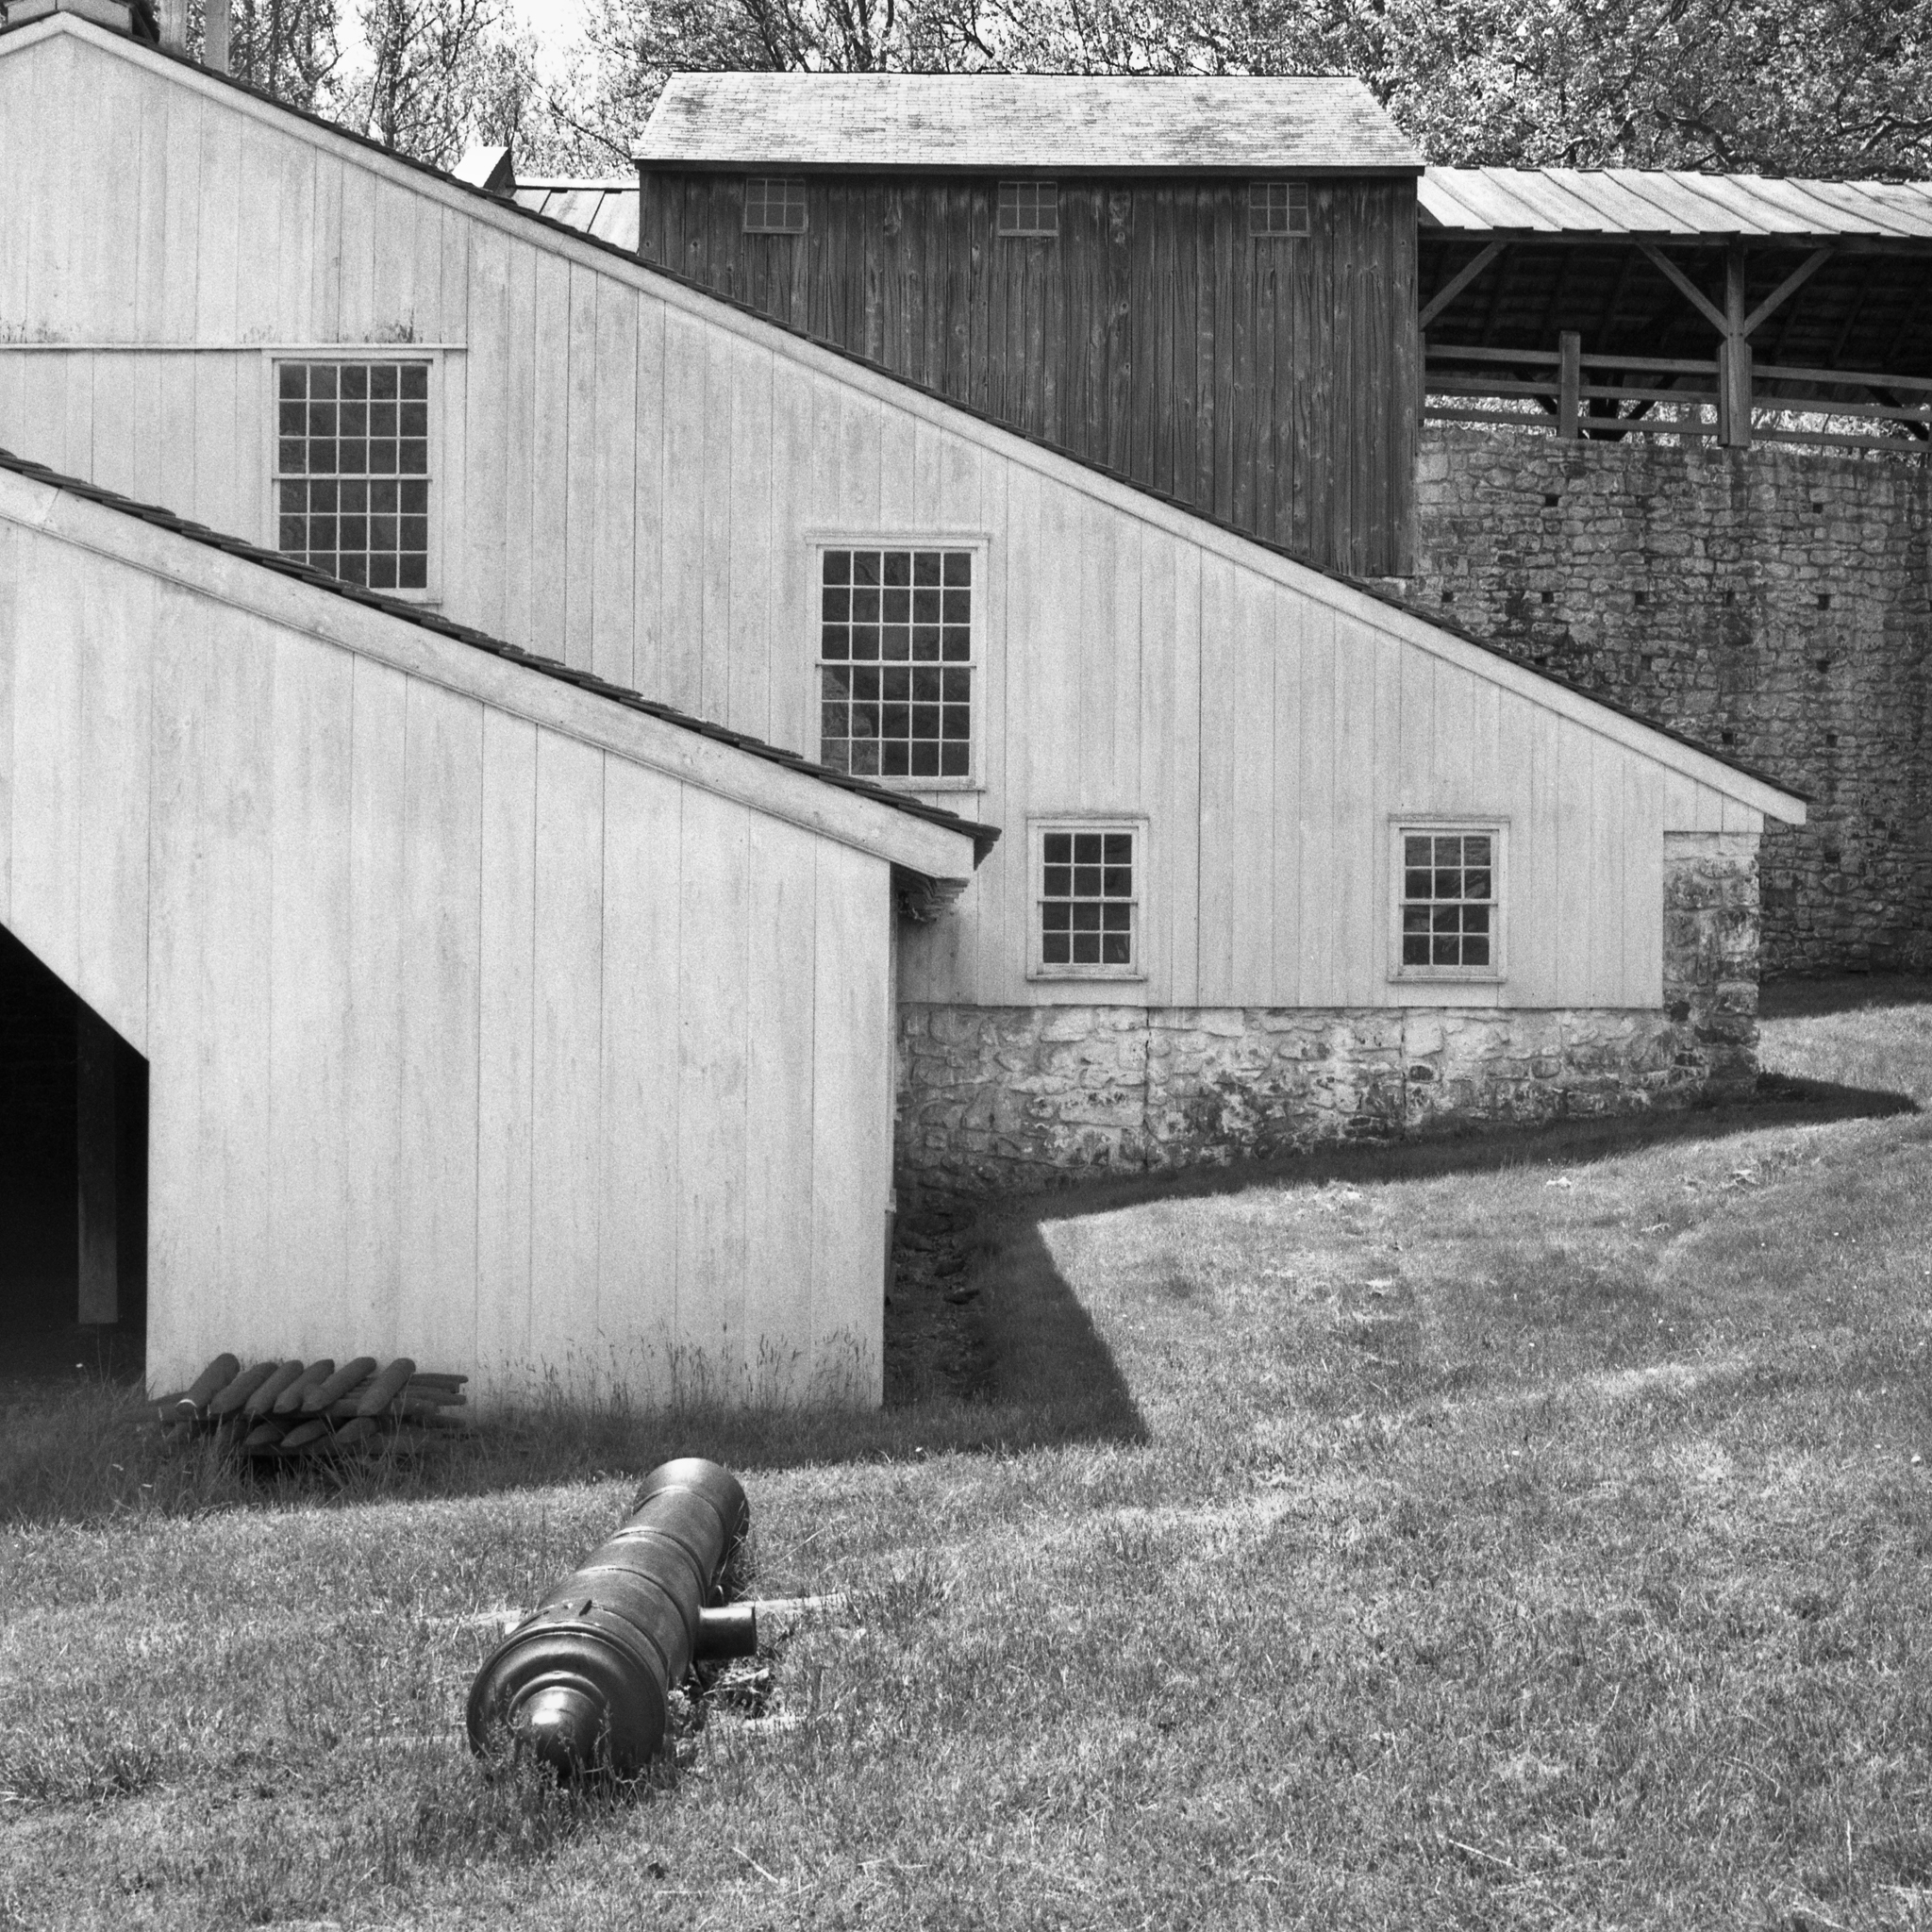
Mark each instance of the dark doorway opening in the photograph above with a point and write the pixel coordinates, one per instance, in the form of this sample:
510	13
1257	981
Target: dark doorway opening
73	1182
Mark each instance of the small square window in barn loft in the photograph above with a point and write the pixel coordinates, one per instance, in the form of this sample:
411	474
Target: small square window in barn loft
1029	208
1448	902
1277	207
1087	899
352	470
898	650
774	205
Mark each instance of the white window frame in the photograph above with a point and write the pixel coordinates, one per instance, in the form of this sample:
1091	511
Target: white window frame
1296	208
1037	830
1036	186
786	183
1495	828
341	353
817	543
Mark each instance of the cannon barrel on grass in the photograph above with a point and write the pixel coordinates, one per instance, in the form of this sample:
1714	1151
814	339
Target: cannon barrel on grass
584	1680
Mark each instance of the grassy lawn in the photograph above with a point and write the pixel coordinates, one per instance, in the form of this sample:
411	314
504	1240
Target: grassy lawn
1523	1531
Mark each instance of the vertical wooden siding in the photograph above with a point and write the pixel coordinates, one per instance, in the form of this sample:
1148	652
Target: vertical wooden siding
468	1040
1270	383
1266	733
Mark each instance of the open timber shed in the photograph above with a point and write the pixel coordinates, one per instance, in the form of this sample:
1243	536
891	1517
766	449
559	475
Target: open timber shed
492	1015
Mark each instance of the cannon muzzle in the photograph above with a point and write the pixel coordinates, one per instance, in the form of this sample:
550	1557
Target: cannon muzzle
584	1680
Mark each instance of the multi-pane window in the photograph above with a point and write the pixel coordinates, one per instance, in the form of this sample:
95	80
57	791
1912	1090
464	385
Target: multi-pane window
1088	898
895	662
1277	207
352	470
1450	907
1029	208
774	205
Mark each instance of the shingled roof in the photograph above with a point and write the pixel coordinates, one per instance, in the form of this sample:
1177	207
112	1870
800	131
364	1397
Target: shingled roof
1041	123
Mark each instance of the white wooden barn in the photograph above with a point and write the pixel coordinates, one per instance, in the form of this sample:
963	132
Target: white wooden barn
1246	803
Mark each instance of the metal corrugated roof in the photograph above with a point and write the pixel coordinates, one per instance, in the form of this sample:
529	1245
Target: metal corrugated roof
1655	202
1064	123
607	209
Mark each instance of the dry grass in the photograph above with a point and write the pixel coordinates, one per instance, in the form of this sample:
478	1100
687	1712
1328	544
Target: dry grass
1524	1533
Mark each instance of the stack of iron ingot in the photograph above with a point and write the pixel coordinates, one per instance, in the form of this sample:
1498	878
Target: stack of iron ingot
314	1409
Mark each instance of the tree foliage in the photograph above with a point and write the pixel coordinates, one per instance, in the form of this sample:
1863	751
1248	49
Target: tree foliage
1803	87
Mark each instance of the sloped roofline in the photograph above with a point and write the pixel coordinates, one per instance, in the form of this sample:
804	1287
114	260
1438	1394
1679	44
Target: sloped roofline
1748	786
982	836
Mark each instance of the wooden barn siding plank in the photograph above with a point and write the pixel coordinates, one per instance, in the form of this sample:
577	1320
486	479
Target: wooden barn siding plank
642	1174
717	675
852	1088
396	264
685	437
1321	726
780	1032
752	632
1176	742
1642	835
566	1087
647	607
372	1026
441	913
228	685
1405	426
1523	735
47	867
186	1293
486	532
577	480
548	531
356	319
308	1154
114	403
1222	824
614	425
713	988
506	1002
1369	699
1575	850
522	357
25	152
1291	620
110	777
51	234
325	251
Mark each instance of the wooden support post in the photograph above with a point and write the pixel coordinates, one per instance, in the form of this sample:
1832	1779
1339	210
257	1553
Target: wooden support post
174	24
98	1147
1569	385
214	49
1734	358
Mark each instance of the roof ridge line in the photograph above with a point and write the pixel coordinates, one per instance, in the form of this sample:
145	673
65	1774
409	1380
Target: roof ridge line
984	836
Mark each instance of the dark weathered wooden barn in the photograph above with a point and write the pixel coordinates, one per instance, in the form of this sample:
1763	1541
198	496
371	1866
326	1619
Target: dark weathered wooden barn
1206	286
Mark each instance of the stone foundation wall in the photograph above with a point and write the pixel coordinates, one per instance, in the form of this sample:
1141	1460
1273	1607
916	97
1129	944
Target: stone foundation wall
1773	603
995	1098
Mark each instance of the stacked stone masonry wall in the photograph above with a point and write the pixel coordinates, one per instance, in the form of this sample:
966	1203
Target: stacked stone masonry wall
1772	604
997	1098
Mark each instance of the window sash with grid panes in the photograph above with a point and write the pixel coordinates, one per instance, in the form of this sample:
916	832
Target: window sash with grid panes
774	205
1277	207
1088	903
896	661
1029	208
1450	908
352	470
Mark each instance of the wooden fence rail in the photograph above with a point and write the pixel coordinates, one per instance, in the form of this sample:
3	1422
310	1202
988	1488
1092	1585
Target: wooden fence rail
1662	396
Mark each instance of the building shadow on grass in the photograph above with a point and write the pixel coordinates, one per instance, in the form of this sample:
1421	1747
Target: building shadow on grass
1781	1100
